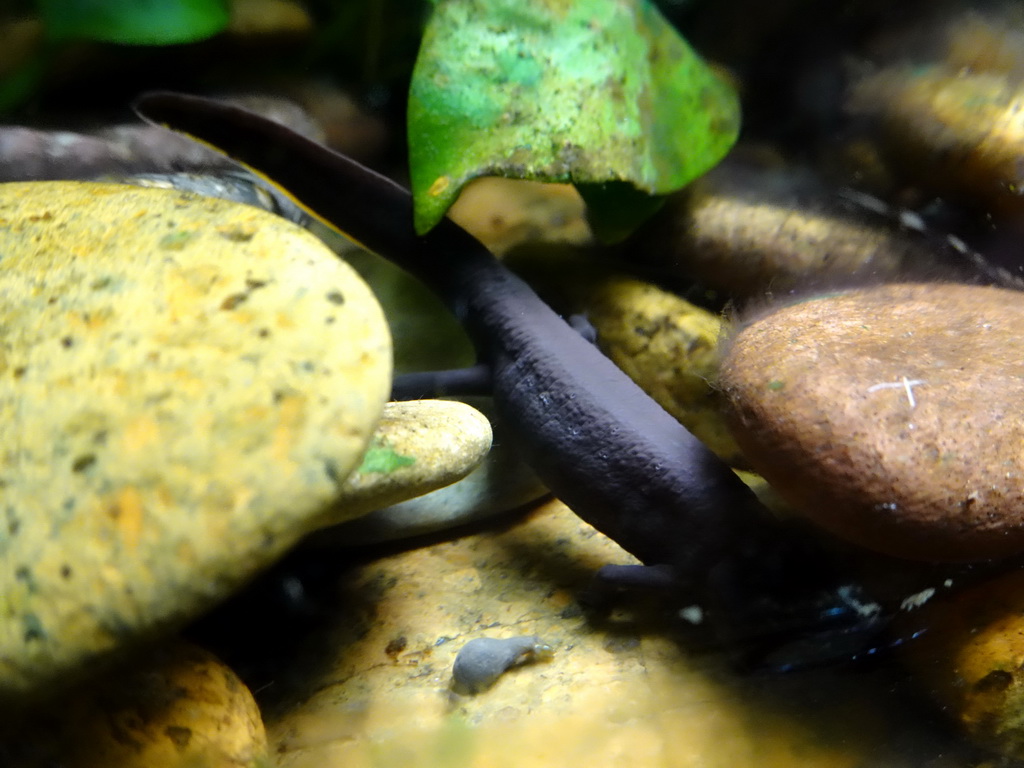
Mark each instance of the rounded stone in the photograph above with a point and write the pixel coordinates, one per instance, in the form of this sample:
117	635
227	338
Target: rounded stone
499	483
419	446
891	415
666	345
185	383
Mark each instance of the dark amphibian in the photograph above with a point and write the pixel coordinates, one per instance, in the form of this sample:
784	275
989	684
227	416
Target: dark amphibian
597	440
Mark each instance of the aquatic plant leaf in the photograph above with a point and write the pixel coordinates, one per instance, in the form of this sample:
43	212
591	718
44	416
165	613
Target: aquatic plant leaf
139	22
594	92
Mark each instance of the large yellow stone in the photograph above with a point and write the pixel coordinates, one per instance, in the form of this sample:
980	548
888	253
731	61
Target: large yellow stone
185	383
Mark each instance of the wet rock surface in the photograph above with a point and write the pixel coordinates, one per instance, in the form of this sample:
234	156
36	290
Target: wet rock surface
499	483
184	384
890	415
970	660
666	344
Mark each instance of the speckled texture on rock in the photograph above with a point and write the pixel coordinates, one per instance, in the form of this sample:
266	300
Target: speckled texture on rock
418	447
666	344
184	385
891	415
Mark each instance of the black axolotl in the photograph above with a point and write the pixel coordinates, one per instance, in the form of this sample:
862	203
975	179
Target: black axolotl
599	442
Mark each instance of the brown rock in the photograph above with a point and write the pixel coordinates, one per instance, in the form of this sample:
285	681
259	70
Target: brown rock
891	415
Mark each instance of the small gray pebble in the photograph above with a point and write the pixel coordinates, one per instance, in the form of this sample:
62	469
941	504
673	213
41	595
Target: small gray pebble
483	660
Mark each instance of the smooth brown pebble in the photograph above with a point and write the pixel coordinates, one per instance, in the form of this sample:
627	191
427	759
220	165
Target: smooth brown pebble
891	416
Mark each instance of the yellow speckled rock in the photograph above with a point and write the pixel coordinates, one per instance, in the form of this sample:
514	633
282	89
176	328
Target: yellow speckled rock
184	385
419	446
176	706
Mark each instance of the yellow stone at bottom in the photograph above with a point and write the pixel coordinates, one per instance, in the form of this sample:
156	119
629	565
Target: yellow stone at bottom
611	694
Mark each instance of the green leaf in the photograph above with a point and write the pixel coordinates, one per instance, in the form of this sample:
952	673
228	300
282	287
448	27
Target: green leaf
594	92
134	22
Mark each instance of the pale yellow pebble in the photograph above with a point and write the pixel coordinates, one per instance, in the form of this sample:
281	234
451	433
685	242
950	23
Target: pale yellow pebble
503	213
500	483
185	384
419	446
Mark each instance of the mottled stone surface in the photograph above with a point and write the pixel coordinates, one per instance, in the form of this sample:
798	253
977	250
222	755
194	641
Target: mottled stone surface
891	416
666	344
184	386
418	447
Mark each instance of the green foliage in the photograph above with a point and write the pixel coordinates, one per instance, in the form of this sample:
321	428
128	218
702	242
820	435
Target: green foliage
128	22
601	93
134	22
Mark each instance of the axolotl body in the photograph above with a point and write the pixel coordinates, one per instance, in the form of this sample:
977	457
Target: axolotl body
599	442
